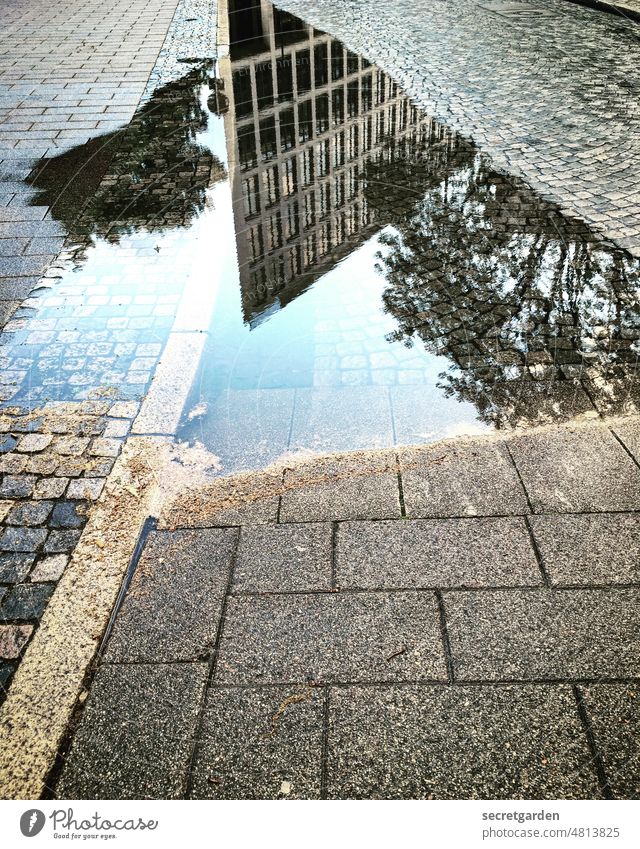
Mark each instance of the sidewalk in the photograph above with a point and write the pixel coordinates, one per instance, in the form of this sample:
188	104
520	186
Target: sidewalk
458	622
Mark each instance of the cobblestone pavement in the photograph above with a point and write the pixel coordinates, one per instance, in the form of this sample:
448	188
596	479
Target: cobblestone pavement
549	94
79	352
456	621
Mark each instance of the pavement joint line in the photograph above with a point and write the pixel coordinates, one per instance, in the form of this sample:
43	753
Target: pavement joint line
427	518
536	550
517	471
622	444
211	673
386	682
324	743
597	760
334	555
446	643
149	525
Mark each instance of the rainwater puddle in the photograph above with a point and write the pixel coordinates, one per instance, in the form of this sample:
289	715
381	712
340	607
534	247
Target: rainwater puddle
376	281
381	283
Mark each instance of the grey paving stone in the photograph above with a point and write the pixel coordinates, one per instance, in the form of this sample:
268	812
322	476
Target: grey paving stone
459	479
23	266
284	558
67	514
431	742
22	539
596	548
435	553
172	607
346	488
7	309
59	542
576	469
331	637
614	714
262	743
25	601
15	567
530	634
17	486
29	513
136	734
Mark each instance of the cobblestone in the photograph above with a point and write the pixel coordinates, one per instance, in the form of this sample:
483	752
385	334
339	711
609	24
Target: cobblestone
25	601
13	638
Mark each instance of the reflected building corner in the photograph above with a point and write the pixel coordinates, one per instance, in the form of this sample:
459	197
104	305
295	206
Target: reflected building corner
306	121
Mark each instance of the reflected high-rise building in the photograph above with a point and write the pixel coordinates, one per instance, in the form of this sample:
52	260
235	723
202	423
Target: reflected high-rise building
305	119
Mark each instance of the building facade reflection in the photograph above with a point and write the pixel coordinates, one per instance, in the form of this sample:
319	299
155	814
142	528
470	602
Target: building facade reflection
306	118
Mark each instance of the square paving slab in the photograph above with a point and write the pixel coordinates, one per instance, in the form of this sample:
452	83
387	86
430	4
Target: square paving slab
136	734
525	634
430	742
284	558
461	480
435	553
596	548
614	713
331	637
263	743
358	487
576	470
172	607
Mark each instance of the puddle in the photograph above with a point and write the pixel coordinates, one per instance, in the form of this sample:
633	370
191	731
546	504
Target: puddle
377	281
388	285
133	204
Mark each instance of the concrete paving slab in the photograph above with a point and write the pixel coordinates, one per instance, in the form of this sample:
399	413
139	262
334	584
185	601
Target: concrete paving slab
461	479
576	469
342	419
172	607
341	487
263	743
234	500
284	558
614	714
331	637
435	553
589	548
136	735
544	634
430	742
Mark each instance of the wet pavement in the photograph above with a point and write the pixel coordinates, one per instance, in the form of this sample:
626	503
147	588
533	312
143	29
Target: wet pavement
455	621
321	265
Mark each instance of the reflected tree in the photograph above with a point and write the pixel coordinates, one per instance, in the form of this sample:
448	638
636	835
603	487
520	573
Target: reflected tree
152	175
527	304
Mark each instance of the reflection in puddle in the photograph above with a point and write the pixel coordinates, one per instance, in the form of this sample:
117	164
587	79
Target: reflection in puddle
393	286
135	204
377	282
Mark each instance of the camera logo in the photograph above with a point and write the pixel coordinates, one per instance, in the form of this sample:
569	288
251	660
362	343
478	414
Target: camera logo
32	822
